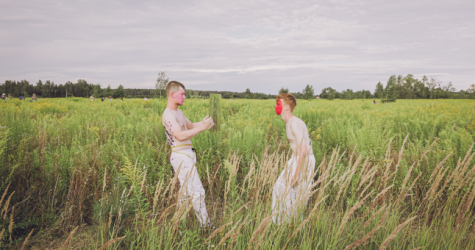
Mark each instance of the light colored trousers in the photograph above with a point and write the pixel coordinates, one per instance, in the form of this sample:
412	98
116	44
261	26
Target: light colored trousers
190	183
285	198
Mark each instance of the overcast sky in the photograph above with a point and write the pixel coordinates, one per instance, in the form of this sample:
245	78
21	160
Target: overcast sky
234	45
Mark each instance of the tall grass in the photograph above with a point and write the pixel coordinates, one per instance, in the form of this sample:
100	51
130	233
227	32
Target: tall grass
104	167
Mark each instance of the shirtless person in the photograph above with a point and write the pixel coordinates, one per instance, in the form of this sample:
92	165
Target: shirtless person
295	181
179	131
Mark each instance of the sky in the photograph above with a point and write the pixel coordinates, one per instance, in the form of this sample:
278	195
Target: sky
233	45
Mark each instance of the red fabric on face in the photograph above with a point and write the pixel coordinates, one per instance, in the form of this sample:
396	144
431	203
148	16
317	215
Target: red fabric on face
278	107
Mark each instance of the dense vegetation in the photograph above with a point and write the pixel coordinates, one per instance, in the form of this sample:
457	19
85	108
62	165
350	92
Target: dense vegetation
397	87
398	175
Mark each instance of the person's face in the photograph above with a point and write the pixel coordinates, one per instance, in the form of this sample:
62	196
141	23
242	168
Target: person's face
179	96
278	107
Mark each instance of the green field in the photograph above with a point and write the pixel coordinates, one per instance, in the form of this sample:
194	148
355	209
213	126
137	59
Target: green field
98	171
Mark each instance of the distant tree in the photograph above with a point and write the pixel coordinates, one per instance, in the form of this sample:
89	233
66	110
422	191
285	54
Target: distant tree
432	85
108	91
378	92
96	90
471	89
348	94
328	93
248	94
39	86
409	84
161	83
282	90
119	92
390	92
308	92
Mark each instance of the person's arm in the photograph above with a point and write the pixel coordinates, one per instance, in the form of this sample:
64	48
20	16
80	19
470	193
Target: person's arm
191	125
299	138
175	130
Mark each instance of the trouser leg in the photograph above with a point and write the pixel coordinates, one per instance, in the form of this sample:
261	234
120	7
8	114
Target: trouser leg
190	185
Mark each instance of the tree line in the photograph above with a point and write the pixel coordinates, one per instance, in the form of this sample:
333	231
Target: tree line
397	87
404	87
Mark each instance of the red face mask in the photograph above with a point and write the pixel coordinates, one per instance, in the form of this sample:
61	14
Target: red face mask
278	107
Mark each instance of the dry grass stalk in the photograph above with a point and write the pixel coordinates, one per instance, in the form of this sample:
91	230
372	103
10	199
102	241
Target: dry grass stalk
3	196
418	248
242	224
414	182
342	188
400	154
367	177
183	206
104	182
467	163
110	242
158	188
215	232
261	238
427	150
7	203
143	180
243	206
229	233
462	184
1	236
232	242
26	240
372	217
386	175
352	210
261	227
10	227
322	189
388	150
459	178
313	212
436	169
66	242
183	216
165	192
431	192
393	235
364	190
379	197
175	178
468	203
164	213
468	152
363	168
403	187
110	219
370	234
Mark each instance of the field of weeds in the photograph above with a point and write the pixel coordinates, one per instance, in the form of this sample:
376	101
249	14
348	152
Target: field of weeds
77	174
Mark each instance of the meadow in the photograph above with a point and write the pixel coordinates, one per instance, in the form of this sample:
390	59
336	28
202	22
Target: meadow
96	175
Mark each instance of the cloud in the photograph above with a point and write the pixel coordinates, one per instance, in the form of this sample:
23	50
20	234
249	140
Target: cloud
234	45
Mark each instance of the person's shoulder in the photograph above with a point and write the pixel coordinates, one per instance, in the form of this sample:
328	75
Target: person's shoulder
298	122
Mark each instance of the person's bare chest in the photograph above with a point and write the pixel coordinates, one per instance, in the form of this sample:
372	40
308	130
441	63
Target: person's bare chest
180	119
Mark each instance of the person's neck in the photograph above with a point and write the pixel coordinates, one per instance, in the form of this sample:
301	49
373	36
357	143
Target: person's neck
287	116
172	105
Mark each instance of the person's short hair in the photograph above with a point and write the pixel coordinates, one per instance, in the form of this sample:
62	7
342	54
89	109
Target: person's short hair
173	86
289	100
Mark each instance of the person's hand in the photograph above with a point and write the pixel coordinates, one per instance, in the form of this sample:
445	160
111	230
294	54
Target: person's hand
207	122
